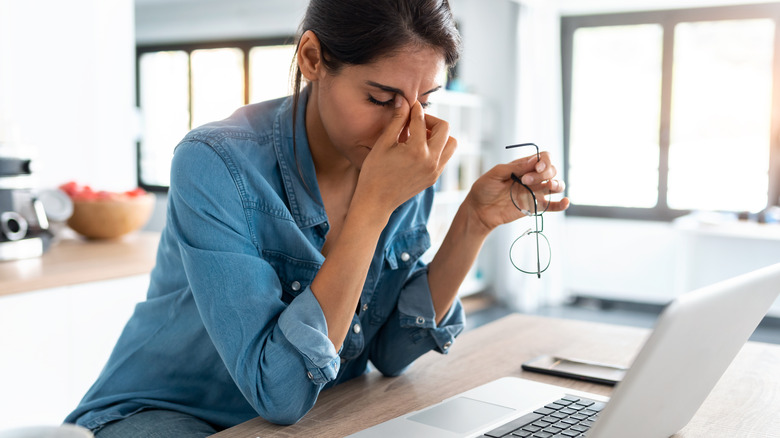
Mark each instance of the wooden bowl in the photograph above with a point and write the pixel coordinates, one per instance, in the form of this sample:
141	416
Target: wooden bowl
111	218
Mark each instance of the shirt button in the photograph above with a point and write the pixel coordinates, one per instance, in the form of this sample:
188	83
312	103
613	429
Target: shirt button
356	328
420	320
365	307
296	286
447	345
405	256
308	374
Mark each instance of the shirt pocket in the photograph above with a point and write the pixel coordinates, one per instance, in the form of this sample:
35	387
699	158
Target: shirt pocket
407	247
400	257
295	275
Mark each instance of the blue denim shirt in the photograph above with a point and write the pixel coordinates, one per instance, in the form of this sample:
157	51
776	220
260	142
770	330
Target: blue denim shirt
230	328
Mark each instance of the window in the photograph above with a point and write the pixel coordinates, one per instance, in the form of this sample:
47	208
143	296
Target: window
671	111
181	87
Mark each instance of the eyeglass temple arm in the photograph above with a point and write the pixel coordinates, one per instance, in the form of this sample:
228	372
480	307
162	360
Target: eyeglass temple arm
538	157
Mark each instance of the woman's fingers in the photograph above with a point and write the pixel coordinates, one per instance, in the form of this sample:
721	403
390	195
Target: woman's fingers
439	135
433	134
561	205
391	134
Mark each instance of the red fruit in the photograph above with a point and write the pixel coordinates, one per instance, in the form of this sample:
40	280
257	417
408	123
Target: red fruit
70	187
136	192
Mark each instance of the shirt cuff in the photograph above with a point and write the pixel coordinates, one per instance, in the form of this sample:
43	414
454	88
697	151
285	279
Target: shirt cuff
415	307
305	327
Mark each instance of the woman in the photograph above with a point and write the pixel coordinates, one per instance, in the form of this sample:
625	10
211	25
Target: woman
290	256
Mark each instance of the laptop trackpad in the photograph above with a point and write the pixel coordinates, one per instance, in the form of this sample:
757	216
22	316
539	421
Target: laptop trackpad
461	414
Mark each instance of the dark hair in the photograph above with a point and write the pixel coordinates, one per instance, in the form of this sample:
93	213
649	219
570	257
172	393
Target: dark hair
356	32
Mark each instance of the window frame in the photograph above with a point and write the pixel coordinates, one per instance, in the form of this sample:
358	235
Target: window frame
668	19
245	45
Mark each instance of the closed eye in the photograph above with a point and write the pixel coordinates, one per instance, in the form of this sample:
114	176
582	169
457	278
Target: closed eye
389	102
378	102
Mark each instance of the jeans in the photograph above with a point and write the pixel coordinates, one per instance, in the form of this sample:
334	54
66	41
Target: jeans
156	423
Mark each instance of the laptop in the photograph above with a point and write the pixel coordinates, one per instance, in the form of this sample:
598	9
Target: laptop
694	341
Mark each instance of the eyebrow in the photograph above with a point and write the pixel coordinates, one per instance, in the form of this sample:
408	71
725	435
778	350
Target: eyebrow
390	89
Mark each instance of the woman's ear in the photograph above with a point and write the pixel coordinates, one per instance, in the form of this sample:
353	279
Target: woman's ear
310	56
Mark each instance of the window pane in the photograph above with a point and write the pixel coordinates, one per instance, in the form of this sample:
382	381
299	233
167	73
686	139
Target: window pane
269	72
615	115
721	104
165	116
217	84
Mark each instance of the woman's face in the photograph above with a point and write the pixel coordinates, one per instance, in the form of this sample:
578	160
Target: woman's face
355	105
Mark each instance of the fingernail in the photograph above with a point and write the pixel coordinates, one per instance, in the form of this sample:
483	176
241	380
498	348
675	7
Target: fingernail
527	179
540	166
398	101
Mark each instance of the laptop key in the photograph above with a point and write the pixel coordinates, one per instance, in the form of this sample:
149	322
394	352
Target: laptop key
580	428
513	425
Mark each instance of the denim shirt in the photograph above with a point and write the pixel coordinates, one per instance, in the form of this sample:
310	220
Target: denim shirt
230	328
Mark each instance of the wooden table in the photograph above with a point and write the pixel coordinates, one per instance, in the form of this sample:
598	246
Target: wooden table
74	260
745	403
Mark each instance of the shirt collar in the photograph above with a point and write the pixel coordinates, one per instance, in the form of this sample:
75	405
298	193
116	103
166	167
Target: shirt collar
297	165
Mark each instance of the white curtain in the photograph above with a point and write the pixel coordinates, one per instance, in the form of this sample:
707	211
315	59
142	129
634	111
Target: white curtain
538	119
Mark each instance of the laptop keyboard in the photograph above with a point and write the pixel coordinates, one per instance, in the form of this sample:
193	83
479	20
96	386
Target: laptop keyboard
568	417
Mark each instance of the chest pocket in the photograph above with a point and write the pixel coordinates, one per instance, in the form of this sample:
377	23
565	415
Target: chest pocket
400	256
407	247
295	275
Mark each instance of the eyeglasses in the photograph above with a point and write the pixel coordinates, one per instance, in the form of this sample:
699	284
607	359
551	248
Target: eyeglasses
522	249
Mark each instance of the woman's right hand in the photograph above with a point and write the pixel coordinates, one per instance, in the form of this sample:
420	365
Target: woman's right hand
407	158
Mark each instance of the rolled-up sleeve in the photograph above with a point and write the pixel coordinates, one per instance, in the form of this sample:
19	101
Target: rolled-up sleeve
411	330
277	353
305	327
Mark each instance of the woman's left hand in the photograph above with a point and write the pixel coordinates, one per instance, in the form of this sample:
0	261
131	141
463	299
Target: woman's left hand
489	199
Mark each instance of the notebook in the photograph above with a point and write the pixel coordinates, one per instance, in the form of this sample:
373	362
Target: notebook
695	339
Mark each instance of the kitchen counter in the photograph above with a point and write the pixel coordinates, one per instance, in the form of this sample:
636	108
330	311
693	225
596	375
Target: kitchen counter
74	260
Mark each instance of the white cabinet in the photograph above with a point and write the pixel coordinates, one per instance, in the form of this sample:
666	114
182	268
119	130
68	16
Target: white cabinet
54	342
463	111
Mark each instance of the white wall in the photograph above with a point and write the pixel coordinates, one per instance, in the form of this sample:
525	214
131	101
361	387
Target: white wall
67	85
620	259
201	20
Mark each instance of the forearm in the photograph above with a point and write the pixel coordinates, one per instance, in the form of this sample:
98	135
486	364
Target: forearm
339	282
454	258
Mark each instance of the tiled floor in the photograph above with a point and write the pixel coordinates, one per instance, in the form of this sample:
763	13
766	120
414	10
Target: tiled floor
482	309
